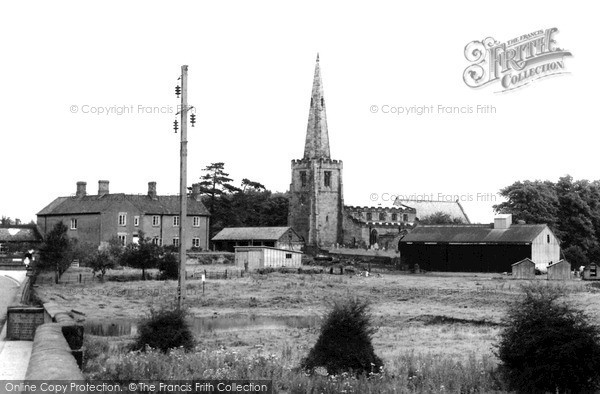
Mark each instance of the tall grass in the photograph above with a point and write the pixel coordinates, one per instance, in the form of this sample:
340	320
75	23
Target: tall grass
412	373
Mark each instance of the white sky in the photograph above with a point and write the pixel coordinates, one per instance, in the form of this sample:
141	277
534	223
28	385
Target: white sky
250	74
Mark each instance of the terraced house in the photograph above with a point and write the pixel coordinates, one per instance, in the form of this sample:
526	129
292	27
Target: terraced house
96	219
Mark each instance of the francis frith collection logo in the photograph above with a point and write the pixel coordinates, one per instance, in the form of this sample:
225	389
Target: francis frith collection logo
516	62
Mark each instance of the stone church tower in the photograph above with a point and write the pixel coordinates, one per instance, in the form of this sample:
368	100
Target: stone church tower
316	201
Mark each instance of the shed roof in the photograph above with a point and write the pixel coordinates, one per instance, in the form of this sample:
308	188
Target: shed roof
474	233
254	233
426	208
525	260
161	205
559	262
20	233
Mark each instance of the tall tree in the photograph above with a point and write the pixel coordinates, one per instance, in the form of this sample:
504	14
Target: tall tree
216	182
55	253
531	201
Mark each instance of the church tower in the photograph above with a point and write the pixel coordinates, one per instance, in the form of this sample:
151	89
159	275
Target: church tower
316	200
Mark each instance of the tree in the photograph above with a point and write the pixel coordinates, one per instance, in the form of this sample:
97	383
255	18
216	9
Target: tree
144	255
248	184
55	253
6	221
216	182
548	346
440	217
344	344
101	262
531	201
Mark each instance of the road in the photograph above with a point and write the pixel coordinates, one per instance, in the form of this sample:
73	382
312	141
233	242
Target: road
9	283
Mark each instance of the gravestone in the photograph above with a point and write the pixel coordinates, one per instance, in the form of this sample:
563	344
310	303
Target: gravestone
22	321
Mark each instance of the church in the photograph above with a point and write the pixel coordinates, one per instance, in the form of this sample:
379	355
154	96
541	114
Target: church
316	208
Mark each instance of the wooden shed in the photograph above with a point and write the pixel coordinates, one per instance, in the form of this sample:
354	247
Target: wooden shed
561	270
524	269
254	257
590	272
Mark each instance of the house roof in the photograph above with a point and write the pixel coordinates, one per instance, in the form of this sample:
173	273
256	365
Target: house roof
255	233
20	233
474	233
162	205
426	208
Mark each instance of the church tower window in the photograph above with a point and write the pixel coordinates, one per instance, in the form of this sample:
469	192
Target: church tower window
303	178
327	179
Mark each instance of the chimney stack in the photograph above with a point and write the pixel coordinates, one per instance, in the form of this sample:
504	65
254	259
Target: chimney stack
196	191
81	189
102	188
152	190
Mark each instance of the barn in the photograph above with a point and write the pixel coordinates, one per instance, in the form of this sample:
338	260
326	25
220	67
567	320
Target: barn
253	257
276	237
561	270
479	247
524	269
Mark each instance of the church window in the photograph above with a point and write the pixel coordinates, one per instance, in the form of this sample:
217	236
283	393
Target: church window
327	178
303	178
405	217
382	216
369	216
302	200
394	217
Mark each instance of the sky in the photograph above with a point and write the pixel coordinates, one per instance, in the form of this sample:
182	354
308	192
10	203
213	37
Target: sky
251	66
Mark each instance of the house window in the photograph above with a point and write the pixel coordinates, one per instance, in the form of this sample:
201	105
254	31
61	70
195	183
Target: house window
369	216
136	221
155	221
548	238
196	222
175	221
175	241
382	216
73	224
288	255
122	219
394	217
3	249
157	241
196	242
303	178
122	239
327	178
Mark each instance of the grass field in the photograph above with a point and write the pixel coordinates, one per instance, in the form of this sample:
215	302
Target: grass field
451	315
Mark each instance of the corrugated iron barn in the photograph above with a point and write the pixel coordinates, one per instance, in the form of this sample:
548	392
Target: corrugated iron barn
253	257
561	270
479	247
524	269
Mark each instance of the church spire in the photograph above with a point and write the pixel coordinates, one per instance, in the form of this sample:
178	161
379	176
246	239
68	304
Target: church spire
317	137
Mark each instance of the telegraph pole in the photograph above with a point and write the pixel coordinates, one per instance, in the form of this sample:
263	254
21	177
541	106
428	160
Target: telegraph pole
183	188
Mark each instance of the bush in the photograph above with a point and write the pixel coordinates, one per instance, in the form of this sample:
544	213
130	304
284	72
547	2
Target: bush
164	330
169	266
548	345
344	344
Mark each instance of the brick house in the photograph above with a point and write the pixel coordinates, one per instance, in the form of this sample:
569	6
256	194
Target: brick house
95	219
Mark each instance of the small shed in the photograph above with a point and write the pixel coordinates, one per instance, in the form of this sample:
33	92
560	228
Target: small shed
590	272
254	257
561	270
524	269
